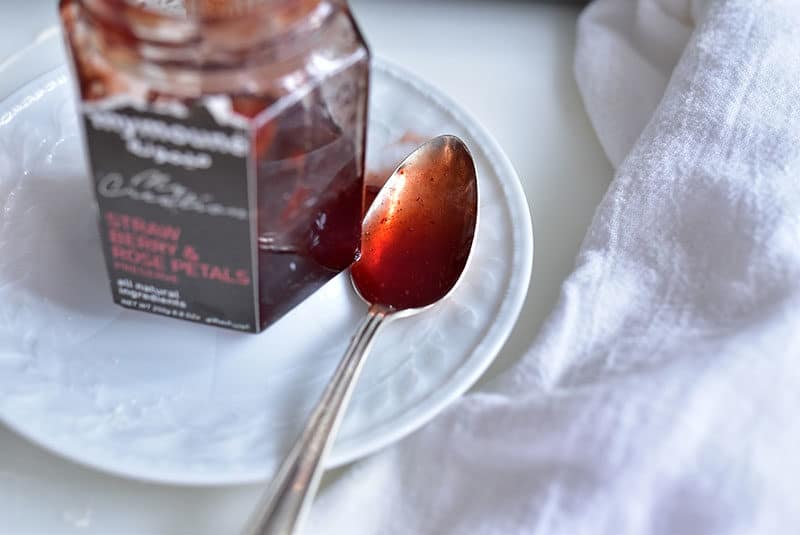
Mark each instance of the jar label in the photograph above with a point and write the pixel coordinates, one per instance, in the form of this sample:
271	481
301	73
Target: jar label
176	197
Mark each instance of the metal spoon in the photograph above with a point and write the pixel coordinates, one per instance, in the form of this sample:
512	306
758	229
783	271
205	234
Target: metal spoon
416	240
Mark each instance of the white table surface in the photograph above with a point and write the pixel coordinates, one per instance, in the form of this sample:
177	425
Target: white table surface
507	62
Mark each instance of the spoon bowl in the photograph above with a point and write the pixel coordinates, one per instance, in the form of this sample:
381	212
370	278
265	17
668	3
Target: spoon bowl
417	235
416	241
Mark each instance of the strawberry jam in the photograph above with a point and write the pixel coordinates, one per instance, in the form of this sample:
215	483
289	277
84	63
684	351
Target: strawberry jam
170	93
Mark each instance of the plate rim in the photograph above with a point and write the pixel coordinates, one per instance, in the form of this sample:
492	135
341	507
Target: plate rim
426	410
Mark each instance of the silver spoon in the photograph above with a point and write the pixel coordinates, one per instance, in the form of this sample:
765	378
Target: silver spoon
415	243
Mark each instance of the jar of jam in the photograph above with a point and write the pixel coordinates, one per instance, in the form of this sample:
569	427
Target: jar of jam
226	142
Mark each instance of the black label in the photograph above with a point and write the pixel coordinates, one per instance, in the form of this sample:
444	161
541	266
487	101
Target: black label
176	218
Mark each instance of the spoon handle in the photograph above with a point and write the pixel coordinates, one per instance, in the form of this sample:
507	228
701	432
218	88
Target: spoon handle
291	491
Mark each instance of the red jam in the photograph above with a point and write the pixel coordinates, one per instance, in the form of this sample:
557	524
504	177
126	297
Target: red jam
416	242
310	191
296	70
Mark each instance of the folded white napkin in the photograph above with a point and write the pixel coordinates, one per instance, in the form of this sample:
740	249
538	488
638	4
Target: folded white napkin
662	396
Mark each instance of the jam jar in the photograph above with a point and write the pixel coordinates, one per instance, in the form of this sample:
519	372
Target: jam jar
286	81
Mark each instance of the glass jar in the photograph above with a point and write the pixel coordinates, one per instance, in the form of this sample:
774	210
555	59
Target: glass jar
293	74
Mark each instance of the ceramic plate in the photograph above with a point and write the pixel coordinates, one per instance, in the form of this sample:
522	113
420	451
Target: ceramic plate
168	401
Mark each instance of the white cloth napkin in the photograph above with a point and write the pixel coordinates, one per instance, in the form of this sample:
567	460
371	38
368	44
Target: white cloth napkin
662	396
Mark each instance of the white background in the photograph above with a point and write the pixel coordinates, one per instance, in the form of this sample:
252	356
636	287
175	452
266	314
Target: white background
510	65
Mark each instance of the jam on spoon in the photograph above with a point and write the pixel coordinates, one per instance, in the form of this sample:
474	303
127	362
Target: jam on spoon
417	235
416	240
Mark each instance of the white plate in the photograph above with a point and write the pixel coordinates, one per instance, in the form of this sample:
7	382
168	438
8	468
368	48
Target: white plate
168	401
